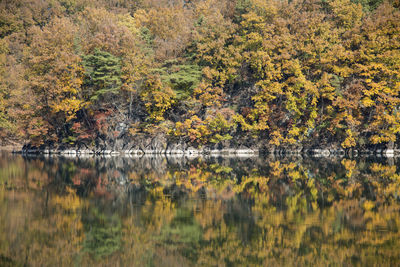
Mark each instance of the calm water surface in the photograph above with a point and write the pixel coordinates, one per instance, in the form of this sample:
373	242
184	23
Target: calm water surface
202	212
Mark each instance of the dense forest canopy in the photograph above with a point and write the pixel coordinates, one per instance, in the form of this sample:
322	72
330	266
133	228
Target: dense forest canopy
280	73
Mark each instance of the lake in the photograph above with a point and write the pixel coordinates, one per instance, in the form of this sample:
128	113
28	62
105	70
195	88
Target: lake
261	211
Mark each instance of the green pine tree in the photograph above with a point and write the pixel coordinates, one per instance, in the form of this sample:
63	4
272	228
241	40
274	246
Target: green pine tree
182	78
103	73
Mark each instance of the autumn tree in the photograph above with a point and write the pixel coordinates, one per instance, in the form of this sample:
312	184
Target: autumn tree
56	75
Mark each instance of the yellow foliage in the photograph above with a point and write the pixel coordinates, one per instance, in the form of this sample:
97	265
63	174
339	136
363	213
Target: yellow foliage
158	99
350	140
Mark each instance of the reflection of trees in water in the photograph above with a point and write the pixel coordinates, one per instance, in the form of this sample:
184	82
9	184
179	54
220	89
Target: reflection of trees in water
222	212
183	233
318	182
102	232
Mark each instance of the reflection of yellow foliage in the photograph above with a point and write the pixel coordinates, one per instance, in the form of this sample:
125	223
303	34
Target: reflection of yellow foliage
350	166
69	202
368	205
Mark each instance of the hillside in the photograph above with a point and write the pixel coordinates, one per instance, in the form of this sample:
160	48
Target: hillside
205	73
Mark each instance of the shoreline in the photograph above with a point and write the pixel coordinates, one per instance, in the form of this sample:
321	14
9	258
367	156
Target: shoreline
11	148
193	153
